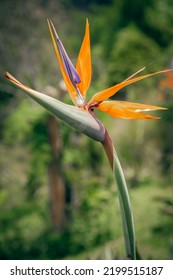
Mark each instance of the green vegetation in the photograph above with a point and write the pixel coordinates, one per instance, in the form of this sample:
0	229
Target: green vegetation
57	196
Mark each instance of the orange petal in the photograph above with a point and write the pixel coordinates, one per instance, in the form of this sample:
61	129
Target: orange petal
71	89
127	110
136	107
105	94
83	66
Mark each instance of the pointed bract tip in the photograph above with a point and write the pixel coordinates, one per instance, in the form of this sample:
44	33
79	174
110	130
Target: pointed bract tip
50	23
10	77
167	70
135	74
6	74
87	24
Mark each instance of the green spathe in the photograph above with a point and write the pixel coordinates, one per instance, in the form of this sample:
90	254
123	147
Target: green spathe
78	118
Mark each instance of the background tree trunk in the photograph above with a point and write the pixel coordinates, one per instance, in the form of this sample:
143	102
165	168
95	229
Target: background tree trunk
56	183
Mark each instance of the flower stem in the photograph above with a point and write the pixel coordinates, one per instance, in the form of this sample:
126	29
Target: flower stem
123	195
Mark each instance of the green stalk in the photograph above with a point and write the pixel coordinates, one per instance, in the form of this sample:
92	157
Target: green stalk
123	196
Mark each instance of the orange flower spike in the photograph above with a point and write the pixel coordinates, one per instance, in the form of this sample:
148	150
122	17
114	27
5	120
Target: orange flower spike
83	65
128	110
105	94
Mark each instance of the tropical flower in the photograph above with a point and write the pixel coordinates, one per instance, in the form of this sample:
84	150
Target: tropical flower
81	116
78	80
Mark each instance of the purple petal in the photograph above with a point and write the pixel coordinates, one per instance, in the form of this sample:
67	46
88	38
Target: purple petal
69	68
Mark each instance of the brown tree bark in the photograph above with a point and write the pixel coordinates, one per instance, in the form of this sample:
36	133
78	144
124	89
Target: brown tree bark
56	183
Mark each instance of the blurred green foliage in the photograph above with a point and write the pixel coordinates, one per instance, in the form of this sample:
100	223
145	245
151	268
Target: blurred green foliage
125	36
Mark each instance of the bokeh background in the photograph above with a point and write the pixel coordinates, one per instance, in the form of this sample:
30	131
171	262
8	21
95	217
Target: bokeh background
57	195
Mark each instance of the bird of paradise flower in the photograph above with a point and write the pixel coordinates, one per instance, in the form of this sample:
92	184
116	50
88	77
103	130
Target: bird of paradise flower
82	117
